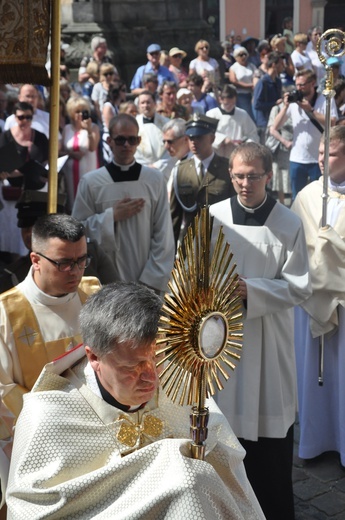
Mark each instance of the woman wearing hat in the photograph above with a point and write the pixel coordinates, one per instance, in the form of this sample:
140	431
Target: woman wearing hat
241	74
204	63
180	74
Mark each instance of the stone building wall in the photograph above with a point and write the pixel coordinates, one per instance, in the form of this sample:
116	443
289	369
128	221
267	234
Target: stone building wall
131	25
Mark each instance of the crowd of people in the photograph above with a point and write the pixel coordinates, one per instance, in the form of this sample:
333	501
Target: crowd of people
243	134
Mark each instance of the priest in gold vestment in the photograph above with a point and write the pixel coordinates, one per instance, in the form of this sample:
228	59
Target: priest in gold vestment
98	438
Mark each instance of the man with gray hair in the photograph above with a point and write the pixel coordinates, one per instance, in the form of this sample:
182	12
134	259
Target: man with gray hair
99	50
176	143
98	438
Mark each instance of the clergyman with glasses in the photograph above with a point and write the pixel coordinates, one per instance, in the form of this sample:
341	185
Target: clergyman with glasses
124	206
260	398
39	317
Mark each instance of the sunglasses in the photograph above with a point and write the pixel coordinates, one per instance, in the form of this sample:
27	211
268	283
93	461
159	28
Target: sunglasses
109	74
177	56
156	53
21	118
132	140
242	54
204	48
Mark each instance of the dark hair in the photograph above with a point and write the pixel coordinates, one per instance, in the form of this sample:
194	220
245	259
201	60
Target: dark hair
286	20
273	58
118	313
147	93
23	105
122	119
251	151
309	75
149	77
339	86
229	91
56	225
196	79
166	83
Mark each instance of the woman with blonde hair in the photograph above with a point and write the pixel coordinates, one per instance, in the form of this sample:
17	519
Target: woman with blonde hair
204	63
80	141
299	57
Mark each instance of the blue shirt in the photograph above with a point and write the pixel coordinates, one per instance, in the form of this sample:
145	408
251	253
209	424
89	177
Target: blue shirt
266	93
205	103
162	74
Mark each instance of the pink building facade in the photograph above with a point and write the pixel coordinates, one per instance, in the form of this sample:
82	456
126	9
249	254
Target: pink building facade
260	18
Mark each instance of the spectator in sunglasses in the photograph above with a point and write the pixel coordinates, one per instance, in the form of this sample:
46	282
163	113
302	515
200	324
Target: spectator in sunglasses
22	145
204	63
101	90
124	206
241	74
153	53
29	94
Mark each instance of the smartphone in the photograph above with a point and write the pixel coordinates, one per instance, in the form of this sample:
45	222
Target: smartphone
85	114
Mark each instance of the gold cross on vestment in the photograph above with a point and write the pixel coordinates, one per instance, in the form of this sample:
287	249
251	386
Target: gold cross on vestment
28	336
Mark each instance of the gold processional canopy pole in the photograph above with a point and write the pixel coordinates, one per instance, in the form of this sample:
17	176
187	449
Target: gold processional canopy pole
200	329
332	44
54	107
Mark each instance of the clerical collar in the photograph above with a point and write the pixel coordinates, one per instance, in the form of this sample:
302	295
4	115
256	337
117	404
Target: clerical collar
256	217
108	398
339	188
124	167
148	120
226	113
121	173
251	210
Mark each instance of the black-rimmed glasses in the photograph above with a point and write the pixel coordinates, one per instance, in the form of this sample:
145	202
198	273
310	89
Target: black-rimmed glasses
68	265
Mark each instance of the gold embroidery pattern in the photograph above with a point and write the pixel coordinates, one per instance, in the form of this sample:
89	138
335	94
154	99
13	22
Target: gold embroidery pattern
131	432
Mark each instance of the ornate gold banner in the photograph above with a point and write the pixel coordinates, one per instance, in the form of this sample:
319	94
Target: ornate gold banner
24	29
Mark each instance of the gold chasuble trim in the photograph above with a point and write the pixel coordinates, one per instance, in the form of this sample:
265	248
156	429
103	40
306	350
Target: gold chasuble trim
24	28
33	352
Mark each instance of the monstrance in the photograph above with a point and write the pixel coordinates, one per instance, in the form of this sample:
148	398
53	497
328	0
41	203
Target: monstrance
201	325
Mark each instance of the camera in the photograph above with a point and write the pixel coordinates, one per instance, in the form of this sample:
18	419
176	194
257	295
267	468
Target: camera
85	115
295	95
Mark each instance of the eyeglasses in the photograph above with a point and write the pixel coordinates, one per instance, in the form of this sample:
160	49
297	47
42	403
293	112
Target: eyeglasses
109	74
204	48
242	54
177	56
171	141
120	140
301	85
21	118
68	265
251	177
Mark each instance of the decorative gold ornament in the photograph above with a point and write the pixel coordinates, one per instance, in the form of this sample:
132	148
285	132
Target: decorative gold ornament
201	326
332	43
131	432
